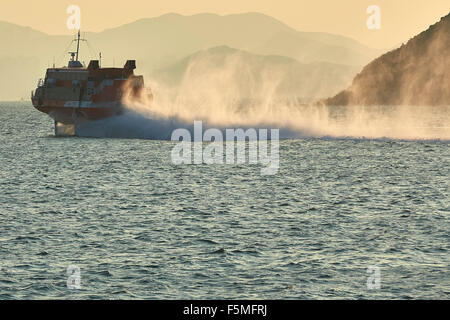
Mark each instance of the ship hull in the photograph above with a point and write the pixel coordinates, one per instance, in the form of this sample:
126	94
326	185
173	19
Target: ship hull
74	115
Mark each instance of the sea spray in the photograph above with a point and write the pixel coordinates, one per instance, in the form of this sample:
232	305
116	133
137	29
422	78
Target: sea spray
214	97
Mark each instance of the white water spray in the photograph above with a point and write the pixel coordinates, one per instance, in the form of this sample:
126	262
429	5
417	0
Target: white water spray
219	97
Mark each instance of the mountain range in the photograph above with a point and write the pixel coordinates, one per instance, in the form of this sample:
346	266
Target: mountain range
165	42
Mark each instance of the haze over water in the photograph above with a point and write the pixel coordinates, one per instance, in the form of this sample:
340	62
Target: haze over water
140	227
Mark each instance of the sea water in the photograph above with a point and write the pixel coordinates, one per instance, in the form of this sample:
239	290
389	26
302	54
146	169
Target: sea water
139	227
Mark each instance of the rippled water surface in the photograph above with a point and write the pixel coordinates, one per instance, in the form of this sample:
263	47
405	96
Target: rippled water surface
141	228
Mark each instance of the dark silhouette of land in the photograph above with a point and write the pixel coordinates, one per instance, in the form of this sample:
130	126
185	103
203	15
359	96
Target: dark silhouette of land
417	73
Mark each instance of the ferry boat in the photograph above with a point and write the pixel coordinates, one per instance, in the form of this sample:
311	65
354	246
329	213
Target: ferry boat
76	93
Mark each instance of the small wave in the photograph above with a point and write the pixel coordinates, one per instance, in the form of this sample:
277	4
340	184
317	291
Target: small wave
246	252
219	251
207	241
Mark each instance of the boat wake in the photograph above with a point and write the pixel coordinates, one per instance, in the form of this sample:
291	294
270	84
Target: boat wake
325	122
134	125
130	124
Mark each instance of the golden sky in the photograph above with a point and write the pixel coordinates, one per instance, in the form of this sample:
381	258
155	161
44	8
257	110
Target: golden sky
400	19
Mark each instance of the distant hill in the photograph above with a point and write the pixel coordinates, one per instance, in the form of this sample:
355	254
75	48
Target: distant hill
417	73
245	75
173	36
160	42
24	55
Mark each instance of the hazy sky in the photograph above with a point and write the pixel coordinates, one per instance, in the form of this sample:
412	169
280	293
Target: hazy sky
400	19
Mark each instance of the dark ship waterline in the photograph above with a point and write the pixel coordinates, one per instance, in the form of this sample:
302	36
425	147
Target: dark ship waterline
75	94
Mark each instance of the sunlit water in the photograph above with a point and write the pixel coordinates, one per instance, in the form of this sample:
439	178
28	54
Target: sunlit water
140	227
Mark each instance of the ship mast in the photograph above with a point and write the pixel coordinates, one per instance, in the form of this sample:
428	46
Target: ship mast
74	62
78	44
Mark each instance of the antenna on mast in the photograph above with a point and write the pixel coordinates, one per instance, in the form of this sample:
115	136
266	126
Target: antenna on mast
74	62
78	44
